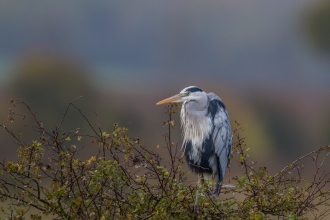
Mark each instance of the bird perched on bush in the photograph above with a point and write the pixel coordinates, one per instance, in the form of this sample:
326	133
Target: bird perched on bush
206	133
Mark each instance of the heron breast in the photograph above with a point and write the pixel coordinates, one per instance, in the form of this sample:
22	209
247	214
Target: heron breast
196	130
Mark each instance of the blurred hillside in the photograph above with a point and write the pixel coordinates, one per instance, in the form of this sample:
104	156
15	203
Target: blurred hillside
122	58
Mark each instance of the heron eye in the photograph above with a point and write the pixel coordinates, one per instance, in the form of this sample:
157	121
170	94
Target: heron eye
187	93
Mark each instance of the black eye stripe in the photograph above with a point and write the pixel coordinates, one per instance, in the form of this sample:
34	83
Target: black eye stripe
194	89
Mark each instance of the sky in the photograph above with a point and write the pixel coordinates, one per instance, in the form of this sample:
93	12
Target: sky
235	42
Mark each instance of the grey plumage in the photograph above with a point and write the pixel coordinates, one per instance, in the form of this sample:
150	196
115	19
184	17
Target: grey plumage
206	133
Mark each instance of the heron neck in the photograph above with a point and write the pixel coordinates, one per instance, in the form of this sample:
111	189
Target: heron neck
200	104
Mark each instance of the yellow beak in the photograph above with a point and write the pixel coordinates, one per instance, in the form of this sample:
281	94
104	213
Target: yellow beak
175	98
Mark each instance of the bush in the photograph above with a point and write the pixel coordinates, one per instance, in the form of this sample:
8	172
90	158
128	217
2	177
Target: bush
126	180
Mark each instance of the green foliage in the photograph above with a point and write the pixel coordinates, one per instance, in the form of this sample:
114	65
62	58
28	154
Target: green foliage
126	180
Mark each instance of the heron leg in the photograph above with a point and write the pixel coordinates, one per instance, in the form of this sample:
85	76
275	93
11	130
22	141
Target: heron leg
200	180
196	198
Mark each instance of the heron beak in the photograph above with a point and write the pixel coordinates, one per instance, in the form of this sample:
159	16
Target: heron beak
176	98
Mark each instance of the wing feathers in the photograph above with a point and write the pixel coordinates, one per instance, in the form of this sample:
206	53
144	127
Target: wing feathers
221	135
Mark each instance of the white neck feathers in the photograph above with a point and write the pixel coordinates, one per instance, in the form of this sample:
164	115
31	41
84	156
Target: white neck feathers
196	126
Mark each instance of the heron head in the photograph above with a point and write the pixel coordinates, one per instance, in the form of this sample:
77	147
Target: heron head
189	93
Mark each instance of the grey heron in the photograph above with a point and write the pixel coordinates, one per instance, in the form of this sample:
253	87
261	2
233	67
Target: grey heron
206	133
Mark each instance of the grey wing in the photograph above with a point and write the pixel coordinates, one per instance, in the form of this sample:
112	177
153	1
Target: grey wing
221	136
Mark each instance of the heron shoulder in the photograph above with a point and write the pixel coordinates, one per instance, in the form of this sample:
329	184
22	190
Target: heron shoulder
213	96
216	106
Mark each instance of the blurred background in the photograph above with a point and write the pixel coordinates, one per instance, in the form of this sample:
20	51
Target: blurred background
269	61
